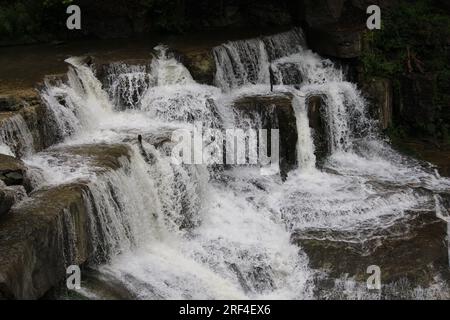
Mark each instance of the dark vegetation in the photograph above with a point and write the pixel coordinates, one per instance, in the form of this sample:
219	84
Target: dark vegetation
412	50
25	21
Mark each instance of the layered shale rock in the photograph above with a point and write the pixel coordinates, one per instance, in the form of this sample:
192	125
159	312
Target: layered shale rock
23	122
44	234
39	238
412	248
12	171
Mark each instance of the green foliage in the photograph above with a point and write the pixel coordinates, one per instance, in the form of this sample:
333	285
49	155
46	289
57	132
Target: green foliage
416	25
414	38
27	20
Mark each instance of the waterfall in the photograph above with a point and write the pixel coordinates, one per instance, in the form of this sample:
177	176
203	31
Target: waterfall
244	62
169	231
126	84
305	146
15	137
297	69
122	215
166	70
78	105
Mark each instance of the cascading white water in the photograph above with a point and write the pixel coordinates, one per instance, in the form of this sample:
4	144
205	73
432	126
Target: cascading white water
191	231
79	104
126	84
305	146
247	62
15	137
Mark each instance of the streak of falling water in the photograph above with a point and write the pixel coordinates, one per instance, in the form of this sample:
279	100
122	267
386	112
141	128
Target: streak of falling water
126	84
15	137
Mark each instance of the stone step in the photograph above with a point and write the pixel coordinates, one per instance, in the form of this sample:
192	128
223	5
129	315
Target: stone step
413	248
44	234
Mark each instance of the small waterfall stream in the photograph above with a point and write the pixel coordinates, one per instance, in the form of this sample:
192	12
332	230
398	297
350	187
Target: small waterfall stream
15	137
165	231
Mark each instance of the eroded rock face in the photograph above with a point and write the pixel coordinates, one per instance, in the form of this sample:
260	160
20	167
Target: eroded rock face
44	234
276	112
35	244
10	196
12	171
413	248
201	65
9	103
315	104
28	107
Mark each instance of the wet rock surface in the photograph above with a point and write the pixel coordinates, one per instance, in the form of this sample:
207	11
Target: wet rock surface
414	247
44	234
34	246
315	104
10	196
9	103
101	157
12	171
201	65
282	117
30	109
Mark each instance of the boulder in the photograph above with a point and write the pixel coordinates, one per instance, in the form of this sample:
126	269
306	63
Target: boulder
9	103
35	247
201	65
414	247
12	170
10	196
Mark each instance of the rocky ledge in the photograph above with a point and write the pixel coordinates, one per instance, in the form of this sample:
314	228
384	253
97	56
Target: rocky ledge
44	234
413	248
